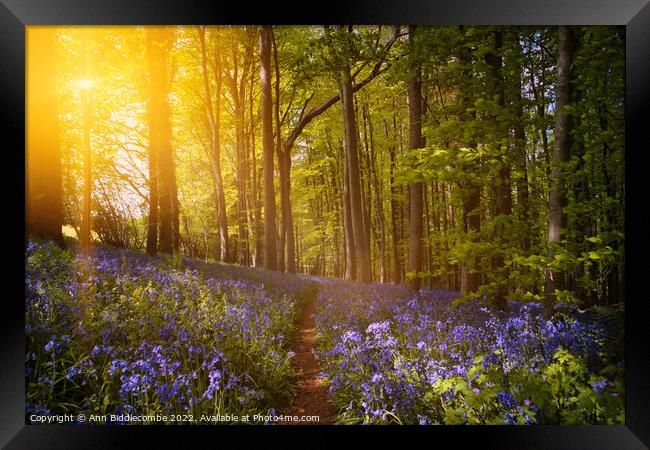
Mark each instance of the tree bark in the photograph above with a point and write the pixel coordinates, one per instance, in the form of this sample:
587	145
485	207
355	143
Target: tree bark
270	253
214	121
415	189
561	152
470	190
282	169
158	48
286	250
86	213
374	178
502	183
354	181
348	231
153	151
523	198
395	207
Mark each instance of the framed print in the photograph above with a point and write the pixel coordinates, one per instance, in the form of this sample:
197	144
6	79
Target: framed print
379	219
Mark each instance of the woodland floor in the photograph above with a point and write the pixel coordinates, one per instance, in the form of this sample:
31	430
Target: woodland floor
312	396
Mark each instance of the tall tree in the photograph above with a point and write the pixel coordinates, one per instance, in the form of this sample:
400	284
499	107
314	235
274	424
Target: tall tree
214	122
255	190
153	151
394	206
270	232
416	189
44	182
503	196
287	239
158	45
237	78
470	188
519	134
86	211
561	151
352	159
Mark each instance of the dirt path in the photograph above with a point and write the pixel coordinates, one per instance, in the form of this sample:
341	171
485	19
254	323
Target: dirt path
312	396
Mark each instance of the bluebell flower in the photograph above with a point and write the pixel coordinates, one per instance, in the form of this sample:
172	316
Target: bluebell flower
598	386
506	399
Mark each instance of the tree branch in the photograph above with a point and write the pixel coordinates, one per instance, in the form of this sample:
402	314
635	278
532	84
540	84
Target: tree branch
377	70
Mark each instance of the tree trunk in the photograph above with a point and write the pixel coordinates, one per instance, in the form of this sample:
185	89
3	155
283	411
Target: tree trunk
153	151
502	183
238	95
287	216
415	189
351	151
378	197
86	224
394	208
214	121
561	151
282	169
270	254
160	127
520	151
470	190
44	181
348	232
255	184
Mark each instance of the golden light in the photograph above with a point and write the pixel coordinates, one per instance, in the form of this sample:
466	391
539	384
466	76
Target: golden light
85	83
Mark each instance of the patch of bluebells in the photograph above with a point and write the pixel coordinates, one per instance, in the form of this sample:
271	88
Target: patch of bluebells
395	357
118	331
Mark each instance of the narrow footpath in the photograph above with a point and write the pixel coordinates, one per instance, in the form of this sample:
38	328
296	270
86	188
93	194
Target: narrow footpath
312	397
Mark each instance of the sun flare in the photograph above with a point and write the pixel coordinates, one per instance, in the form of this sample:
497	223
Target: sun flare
85	83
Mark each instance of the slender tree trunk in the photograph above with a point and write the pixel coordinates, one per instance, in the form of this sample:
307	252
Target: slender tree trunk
470	190
561	151
250	200
395	208
282	169
378	198
86	223
238	95
502	183
415	189
214	121
44	180
348	232
160	129
220	198
255	184
287	217
351	147
270	253
541	113
520	151
154	145
366	190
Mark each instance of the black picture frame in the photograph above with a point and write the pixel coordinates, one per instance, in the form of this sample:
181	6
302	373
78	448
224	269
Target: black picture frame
15	15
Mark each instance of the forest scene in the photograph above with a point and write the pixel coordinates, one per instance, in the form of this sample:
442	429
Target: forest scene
325	225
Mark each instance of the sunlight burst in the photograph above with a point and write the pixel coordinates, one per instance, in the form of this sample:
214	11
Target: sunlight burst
85	83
